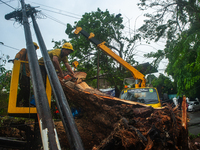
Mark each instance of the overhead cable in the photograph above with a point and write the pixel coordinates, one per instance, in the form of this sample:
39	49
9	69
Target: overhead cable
55	8
9	46
7	4
54	19
12	47
59	13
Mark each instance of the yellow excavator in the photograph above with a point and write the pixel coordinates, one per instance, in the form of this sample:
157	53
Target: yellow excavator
141	93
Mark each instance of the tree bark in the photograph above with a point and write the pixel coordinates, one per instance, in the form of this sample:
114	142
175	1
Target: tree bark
119	124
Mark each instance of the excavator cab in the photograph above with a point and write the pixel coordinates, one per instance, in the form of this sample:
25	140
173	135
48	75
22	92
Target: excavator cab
12	104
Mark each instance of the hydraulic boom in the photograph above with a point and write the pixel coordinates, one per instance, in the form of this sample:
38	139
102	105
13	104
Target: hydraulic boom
138	76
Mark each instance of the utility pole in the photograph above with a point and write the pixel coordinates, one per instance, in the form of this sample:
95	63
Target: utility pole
47	127
63	107
50	139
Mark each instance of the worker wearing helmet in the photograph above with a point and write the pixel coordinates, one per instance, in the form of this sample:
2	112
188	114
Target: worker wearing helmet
58	55
24	77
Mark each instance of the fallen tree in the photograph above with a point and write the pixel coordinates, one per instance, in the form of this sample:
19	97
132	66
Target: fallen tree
107	122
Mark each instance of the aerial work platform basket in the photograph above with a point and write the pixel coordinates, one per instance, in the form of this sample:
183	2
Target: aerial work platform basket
12	104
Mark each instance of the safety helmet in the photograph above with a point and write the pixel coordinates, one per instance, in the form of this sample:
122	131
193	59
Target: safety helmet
68	46
36	45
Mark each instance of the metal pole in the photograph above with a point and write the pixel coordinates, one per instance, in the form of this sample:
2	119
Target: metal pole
62	104
47	128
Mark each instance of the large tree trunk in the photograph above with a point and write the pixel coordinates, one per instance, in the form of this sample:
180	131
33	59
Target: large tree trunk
106	122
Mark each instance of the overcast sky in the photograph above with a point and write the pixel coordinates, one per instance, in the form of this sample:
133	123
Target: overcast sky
57	13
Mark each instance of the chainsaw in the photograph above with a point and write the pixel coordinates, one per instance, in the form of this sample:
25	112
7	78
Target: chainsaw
79	77
70	78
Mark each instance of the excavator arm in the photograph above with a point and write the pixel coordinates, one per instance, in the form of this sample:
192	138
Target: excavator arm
138	76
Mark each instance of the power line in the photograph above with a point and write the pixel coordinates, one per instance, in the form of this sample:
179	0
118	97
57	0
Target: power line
54	19
9	46
59	13
7	5
12	47
55	8
7	1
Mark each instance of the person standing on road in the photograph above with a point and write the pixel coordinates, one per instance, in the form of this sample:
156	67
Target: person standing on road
58	55
24	77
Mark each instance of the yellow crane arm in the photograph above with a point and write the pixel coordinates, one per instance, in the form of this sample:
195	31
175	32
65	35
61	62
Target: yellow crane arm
138	76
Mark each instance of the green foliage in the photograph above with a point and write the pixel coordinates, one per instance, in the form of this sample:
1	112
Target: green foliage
106	27
2	69
192	136
169	18
5	75
5	79
177	22
4	103
185	63
150	78
159	55
165	83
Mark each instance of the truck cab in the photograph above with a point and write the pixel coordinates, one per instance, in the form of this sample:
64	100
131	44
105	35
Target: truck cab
145	95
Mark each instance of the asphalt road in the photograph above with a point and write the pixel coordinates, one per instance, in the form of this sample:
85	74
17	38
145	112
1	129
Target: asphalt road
194	124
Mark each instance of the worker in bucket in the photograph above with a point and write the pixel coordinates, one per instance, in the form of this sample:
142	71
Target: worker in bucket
24	78
58	55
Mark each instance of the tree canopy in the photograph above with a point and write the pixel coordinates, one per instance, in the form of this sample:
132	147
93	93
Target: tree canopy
165	83
178	22
109	28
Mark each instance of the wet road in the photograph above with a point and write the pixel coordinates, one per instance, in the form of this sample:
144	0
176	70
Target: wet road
194	124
